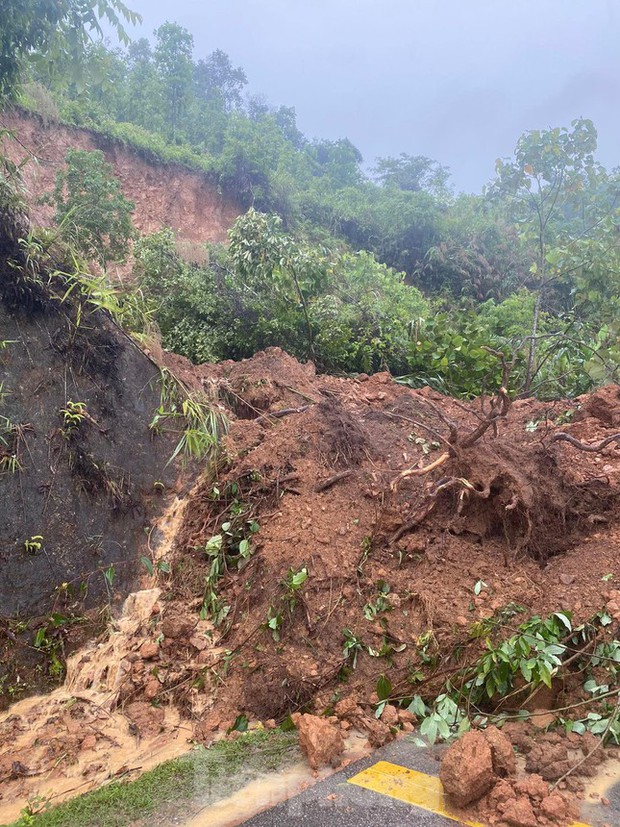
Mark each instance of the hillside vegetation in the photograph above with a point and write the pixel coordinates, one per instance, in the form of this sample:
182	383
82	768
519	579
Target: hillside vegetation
445	283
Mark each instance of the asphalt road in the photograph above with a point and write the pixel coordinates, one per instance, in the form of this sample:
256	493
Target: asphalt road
336	803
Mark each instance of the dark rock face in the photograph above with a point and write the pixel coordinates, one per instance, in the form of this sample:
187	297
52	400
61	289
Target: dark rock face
83	476
87	490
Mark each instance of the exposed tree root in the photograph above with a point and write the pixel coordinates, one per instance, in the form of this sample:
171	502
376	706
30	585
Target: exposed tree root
495	491
419	472
596	448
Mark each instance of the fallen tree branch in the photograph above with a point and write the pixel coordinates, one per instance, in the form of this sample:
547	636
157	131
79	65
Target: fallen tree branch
414	522
323	486
300	393
452	426
582	446
499	410
283	412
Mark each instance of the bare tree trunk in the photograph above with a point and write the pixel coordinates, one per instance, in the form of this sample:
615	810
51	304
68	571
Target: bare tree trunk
531	355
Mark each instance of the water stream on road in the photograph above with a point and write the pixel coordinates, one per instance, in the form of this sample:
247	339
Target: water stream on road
270	789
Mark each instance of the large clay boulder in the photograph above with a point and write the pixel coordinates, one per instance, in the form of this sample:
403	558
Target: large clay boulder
320	740
467	769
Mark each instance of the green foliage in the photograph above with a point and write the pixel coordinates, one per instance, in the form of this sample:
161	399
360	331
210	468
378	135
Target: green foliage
381	603
443	720
56	32
365	317
559	196
90	203
73	416
345	311
352	648
452	351
173	61
480	253
291	586
541	649
534	653
538	251
34	544
448	353
413	173
199	423
12	443
230	548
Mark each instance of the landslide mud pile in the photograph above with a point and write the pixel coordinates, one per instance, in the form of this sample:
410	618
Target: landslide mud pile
308	564
357	570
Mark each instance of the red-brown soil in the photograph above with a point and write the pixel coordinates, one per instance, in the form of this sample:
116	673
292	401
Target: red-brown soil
165	195
313	460
547	553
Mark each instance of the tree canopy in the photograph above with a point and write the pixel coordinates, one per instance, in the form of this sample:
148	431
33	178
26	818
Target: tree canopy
56	30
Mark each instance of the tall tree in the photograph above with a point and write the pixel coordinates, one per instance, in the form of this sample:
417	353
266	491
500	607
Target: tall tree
550	189
144	88
216	78
173	59
413	173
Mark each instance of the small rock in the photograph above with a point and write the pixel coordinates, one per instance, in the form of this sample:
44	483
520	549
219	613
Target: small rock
519	813
390	715
347	707
211	722
613	607
320	740
533	786
149	650
542	719
406	717
567	579
90	742
176	627
500	795
378	732
554	807
199	642
467	769
151	688
270	724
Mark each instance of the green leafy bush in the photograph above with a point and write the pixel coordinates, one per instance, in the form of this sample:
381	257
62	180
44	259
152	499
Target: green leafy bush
90	203
346	312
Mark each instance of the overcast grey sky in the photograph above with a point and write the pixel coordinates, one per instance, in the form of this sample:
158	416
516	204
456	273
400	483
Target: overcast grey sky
457	80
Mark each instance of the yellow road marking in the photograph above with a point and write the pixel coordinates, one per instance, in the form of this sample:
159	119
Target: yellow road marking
412	787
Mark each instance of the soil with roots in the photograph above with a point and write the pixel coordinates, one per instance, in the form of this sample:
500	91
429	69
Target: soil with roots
389	512
531	516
